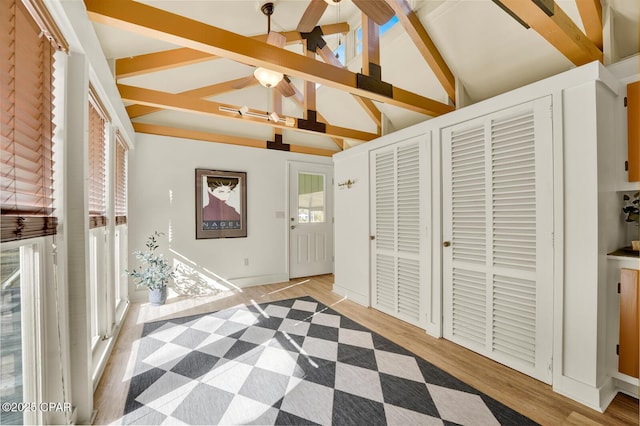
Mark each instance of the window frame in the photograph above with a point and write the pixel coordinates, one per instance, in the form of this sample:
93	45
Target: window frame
32	278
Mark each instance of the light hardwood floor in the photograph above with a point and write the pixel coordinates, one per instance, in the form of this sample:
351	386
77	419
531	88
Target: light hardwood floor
522	393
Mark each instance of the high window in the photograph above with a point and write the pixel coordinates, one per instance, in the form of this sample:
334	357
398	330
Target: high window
358	34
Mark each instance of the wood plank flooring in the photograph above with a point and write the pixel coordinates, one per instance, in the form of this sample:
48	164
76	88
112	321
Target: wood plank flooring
522	393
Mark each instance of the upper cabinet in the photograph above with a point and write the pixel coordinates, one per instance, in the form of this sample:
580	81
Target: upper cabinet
633	130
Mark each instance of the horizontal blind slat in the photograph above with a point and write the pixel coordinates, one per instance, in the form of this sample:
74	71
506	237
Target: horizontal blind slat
26	182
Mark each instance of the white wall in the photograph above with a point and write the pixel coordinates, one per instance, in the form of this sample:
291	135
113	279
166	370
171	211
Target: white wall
352	219
591	230
162	198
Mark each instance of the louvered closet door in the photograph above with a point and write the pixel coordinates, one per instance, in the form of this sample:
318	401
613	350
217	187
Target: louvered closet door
398	210
498	216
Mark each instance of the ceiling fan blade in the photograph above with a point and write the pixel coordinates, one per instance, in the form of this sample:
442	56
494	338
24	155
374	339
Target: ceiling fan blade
245	82
276	39
286	88
377	10
311	16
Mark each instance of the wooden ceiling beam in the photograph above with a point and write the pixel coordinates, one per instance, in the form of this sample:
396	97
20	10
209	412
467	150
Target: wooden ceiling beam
156	23
159	61
167	59
427	48
370	57
370	44
154	129
309	102
276	101
591	15
137	110
300	149
309	90
558	29
178	102
370	108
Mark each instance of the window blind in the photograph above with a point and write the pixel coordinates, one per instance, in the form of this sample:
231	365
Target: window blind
97	166
26	172
120	196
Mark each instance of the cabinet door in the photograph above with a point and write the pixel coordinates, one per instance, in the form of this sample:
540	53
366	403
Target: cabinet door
399	253
498	219
633	130
629	322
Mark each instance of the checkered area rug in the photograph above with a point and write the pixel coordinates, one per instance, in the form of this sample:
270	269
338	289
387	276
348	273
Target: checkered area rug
294	361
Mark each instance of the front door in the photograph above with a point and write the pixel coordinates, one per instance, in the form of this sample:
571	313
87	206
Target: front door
310	219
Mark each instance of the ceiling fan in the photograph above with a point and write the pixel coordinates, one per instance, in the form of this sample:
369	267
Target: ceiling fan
377	10
266	77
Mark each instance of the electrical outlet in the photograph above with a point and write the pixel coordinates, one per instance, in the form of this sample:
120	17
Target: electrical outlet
246	261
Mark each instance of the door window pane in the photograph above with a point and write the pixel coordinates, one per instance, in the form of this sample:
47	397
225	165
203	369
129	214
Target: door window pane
311	200
10	335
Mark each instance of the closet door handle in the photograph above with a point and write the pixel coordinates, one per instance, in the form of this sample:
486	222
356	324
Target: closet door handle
446	243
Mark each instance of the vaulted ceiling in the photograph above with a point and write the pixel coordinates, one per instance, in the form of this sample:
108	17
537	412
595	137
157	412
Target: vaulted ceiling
185	68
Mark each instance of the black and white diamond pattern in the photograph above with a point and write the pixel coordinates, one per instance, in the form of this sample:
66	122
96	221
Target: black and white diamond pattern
294	361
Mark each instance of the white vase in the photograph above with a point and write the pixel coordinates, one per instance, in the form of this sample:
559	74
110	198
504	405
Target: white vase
157	296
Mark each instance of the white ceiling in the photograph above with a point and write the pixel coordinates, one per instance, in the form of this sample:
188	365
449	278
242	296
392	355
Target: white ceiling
486	49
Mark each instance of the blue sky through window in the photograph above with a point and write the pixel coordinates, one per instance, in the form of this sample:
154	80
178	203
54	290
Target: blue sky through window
340	53
383	29
389	24
340	50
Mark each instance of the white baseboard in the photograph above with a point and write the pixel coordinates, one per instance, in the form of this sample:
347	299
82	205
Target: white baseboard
626	384
608	391
360	299
596	398
434	330
260	279
142	295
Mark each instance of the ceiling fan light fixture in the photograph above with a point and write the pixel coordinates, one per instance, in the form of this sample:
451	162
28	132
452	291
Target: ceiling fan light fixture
268	78
332	2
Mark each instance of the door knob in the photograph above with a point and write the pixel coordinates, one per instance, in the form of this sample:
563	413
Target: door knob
446	243
293	227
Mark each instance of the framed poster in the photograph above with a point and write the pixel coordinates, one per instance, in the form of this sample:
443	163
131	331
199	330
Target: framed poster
221	204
